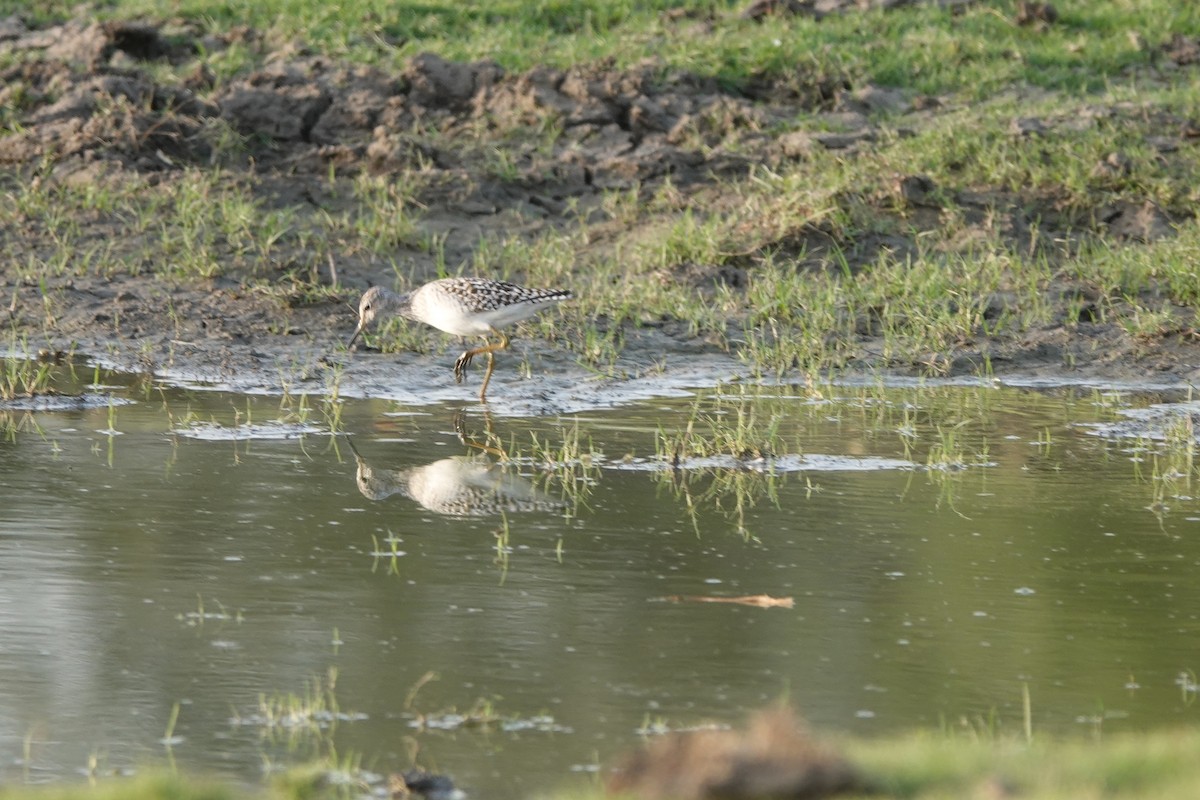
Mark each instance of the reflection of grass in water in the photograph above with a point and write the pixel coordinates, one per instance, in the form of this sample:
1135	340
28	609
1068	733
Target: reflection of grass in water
742	425
1172	463
308	718
307	722
950	454
567	465
729	492
746	423
392	554
204	614
720	424
1162	449
12	423
943	428
503	535
332	404
483	713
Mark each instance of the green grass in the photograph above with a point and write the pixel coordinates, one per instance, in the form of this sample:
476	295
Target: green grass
1136	766
918	766
148	787
841	269
977	49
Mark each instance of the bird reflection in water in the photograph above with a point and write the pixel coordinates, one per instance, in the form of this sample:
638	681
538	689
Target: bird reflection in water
459	486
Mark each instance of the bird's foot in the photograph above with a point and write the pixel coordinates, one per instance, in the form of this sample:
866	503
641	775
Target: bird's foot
460	366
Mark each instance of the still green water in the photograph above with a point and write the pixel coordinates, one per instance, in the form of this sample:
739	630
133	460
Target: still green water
170	552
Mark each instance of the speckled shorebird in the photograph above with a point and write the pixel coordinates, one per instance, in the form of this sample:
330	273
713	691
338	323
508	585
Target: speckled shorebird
463	307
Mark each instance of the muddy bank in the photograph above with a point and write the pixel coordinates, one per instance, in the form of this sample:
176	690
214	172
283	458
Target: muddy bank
501	153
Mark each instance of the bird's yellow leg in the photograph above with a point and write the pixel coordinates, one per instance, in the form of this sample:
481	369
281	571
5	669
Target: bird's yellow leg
460	366
487	376
491	444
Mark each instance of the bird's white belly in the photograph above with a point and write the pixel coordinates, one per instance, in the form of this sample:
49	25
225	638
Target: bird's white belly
448	313
507	315
450	317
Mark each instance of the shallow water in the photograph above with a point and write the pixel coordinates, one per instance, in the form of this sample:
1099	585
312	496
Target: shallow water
943	547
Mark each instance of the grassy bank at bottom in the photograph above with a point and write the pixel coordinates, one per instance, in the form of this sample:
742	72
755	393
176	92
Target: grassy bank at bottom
1144	766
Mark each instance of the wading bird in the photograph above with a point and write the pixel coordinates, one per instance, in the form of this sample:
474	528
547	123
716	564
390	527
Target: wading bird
463	307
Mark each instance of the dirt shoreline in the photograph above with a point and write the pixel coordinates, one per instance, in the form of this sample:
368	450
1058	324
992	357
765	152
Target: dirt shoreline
90	114
536	379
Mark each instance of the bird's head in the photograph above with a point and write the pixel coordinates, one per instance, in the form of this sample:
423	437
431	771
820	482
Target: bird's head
375	301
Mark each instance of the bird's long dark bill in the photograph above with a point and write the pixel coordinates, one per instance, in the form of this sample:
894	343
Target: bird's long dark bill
357	333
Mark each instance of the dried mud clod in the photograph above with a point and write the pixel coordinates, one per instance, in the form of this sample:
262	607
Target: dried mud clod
96	44
80	94
115	116
775	756
1183	50
1139	222
435	83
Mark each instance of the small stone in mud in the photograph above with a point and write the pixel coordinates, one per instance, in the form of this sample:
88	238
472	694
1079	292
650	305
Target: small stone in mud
916	190
796	144
761	9
880	99
1028	126
1033	13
